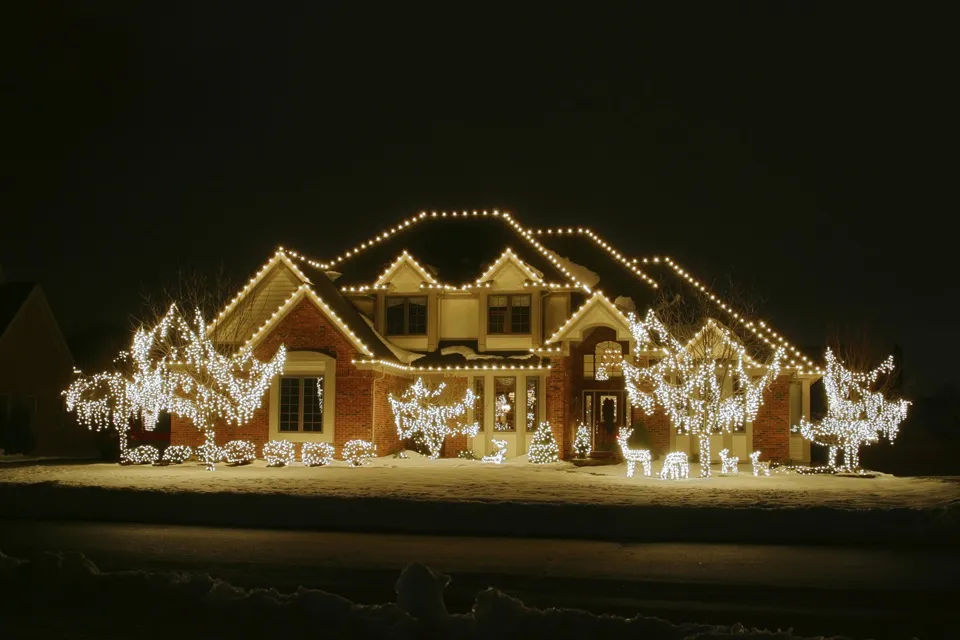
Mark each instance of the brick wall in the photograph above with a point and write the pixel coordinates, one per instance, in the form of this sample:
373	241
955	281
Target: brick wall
306	327
559	390
771	431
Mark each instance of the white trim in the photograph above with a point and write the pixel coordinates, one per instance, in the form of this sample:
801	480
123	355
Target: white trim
508	256
306	292
306	364
402	259
573	322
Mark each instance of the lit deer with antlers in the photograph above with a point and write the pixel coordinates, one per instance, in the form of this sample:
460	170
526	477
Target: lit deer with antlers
728	463
633	456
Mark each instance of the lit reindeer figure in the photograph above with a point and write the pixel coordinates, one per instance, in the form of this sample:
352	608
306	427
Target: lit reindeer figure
758	466
633	456
675	466
728	464
498	456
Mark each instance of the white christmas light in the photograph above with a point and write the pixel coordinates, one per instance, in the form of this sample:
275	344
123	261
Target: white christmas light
689	385
357	452
675	466
856	415
425	414
144	454
543	446
317	454
759	468
209	451
239	452
728	464
176	454
498	456
501	409
633	456
279	453
581	442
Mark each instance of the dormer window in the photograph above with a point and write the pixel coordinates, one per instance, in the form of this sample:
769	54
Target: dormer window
406	316
508	314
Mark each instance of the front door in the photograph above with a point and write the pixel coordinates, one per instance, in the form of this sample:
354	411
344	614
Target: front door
604	412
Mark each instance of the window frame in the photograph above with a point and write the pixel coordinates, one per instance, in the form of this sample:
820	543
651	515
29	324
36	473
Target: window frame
303	380
512	413
508	314
406	315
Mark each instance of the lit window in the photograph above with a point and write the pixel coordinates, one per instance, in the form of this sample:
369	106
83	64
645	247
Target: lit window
505	401
533	390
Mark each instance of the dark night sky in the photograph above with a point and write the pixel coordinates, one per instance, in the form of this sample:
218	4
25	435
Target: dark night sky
794	149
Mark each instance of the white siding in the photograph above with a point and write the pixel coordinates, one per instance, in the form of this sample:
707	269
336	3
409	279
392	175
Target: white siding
459	318
254	310
556	312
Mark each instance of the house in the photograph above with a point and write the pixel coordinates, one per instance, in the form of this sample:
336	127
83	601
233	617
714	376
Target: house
35	366
527	318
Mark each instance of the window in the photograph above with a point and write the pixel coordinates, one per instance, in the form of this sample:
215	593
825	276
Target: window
406	316
505	400
607	360
533	390
301	404
508	314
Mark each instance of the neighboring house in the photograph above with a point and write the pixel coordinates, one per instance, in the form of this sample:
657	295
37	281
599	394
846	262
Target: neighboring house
35	367
524	317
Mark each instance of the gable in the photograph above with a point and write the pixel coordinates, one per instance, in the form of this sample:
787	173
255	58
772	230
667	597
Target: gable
597	311
404	274
255	304
33	352
509	272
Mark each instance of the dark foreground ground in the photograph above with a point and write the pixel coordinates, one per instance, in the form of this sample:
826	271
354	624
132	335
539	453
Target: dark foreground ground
858	592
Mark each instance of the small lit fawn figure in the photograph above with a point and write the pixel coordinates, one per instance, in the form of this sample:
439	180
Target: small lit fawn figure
759	468
498	456
728	464
675	466
633	456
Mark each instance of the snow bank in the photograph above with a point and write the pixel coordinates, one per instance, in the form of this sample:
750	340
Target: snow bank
516	498
62	593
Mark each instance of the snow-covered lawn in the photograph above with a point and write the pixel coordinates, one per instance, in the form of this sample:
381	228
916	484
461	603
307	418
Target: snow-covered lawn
515	481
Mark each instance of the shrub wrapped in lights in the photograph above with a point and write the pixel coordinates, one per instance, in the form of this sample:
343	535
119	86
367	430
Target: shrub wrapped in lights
176	454
543	449
144	454
209	452
317	454
357	452
239	452
279	453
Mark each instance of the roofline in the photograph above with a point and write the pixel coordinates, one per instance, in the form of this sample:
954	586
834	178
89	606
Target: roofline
306	292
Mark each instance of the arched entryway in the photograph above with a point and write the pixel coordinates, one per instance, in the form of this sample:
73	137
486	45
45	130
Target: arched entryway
599	397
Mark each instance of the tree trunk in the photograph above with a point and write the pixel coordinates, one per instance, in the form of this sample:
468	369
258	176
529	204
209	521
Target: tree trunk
704	455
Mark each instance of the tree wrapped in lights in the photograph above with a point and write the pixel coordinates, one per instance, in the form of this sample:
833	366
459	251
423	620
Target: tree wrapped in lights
543	448
581	442
430	416
176	366
138	387
708	385
857	415
207	383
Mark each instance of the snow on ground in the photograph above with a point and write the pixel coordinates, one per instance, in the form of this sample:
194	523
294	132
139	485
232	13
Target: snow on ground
515	481
64	595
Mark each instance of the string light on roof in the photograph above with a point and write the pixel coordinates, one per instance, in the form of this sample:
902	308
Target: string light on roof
451	368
